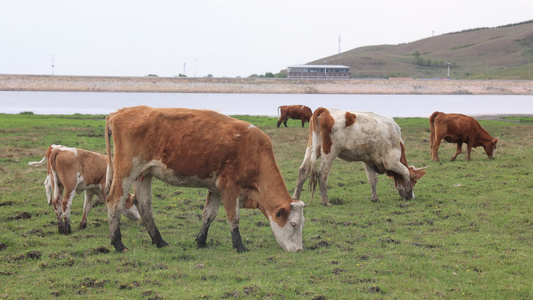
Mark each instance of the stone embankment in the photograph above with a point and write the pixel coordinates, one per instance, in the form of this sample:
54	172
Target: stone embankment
263	85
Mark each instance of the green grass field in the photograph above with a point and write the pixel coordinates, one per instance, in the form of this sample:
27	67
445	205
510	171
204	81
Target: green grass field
468	234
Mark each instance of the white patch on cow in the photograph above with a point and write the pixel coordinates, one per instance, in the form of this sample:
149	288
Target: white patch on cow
289	236
55	187
235	222
49	189
131	213
63	148
66	213
251	126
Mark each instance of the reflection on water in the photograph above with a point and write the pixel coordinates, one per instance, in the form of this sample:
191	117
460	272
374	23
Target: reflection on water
263	104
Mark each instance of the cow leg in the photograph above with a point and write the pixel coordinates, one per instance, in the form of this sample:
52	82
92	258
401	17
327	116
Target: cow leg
303	122
323	175
212	204
435	149
459	150
279	121
468	150
143	190
87	206
231	205
56	204
115	203
67	206
303	173
373	179
285	121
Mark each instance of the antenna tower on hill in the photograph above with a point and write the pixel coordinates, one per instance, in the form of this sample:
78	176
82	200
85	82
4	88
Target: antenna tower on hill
339	44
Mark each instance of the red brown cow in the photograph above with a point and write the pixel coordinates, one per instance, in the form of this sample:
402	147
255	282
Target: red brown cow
458	128
72	170
296	112
356	136
230	158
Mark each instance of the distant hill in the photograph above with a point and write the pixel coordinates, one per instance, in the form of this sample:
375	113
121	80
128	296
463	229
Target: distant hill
504	52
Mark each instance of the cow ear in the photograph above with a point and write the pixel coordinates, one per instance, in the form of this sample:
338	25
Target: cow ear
417	173
495	140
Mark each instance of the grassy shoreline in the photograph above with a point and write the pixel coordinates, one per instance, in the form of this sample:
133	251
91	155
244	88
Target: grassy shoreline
467	234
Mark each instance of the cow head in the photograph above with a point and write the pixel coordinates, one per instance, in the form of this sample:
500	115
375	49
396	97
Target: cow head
405	189
490	148
287	224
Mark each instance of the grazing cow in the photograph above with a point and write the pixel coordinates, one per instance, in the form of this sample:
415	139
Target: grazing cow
72	171
296	112
356	136
230	158
458	128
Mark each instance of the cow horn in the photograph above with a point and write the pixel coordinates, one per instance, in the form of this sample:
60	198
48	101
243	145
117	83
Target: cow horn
418	169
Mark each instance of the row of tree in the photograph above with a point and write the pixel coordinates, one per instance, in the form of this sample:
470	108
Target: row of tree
421	61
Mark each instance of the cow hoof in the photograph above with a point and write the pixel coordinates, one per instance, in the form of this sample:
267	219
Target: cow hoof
242	249
327	204
162	244
376	200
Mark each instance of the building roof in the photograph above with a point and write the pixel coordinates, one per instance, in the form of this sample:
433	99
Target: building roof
320	66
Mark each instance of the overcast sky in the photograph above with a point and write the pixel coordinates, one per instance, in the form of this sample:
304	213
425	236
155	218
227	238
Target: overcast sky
222	38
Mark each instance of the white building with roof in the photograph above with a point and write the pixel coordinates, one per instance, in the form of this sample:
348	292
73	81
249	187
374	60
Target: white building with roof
318	72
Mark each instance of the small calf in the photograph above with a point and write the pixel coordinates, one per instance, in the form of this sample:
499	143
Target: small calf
72	170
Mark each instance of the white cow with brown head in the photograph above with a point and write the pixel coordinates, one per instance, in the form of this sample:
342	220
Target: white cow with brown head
232	159
70	172
356	136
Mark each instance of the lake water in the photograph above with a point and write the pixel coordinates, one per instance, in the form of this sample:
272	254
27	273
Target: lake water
14	102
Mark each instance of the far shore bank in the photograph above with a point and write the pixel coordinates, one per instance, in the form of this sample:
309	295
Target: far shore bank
263	85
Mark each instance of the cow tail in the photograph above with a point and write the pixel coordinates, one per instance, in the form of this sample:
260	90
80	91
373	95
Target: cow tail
38	163
279	110
313	136
432	132
109	171
52	168
45	158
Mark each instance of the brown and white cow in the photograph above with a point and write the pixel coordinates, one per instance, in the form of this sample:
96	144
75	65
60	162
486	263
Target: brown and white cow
356	136
296	112
458	128
230	158
72	170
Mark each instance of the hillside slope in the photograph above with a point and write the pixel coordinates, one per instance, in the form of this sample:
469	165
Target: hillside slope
504	52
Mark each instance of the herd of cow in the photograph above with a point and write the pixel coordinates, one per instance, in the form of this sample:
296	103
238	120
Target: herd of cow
235	162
